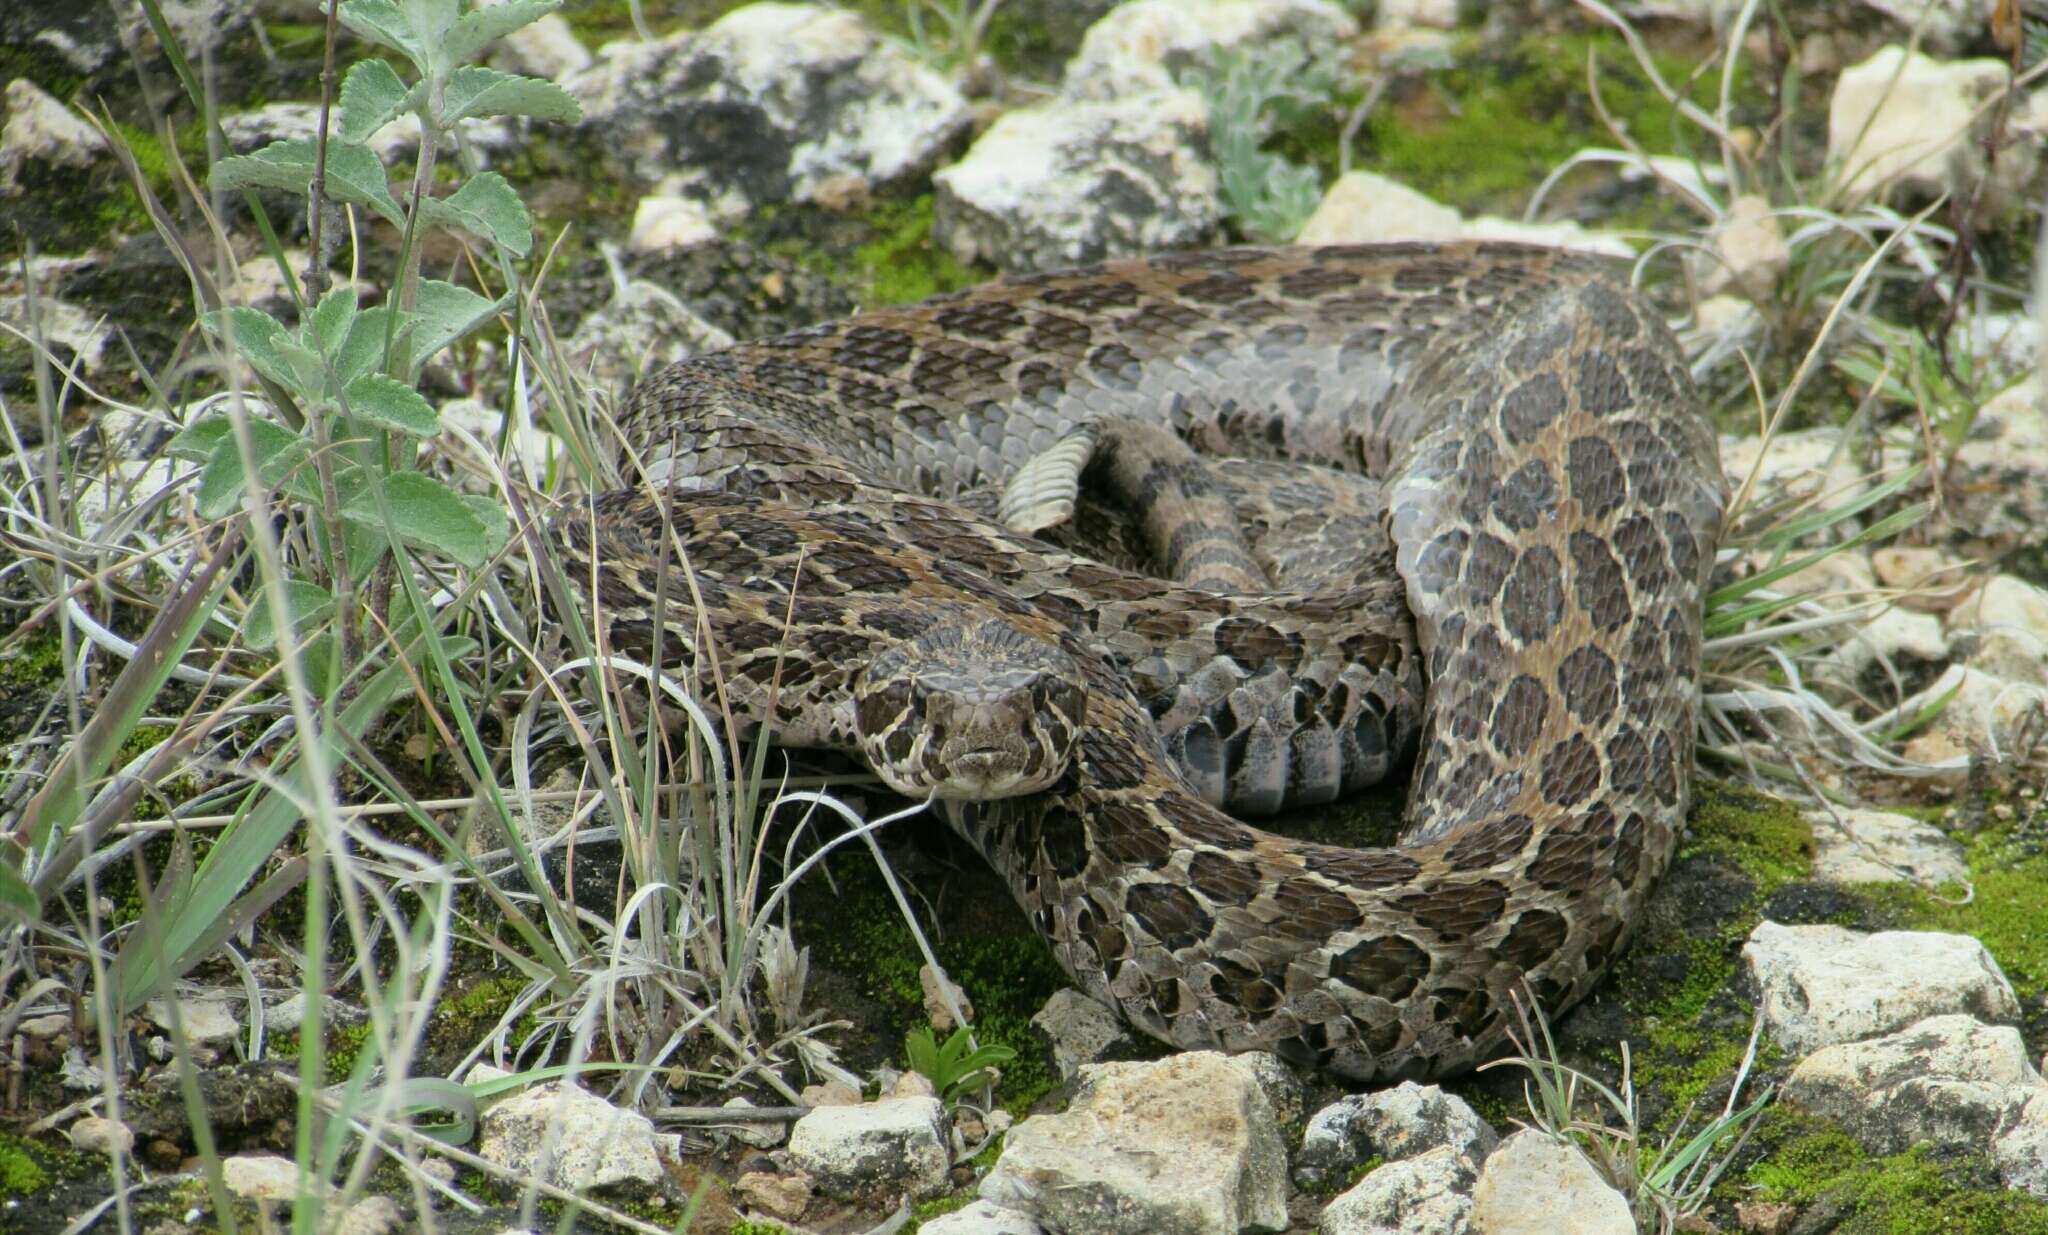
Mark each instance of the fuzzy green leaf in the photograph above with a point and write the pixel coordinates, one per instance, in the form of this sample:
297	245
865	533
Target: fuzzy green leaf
391	404
278	454
478	28
197	441
371	95
497	524
474	92
306	605
488	207
327	326
17	899
264	343
364	350
429	515
354	176
447	313
385	24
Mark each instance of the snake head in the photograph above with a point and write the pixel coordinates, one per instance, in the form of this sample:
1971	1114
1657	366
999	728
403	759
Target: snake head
969	709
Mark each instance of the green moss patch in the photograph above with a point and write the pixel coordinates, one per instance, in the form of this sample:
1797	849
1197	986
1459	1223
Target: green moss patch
1810	1163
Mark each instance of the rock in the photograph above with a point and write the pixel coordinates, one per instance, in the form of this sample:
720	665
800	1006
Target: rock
893	1146
1874	846
1144	46
571	1138
1364	208
1802	465
1998	483
1904	121
2010	620
1950	1080
770	103
783	1196
2002	342
1749	250
75	334
1069	182
1534	1184
1933	582
753	1132
1428	1194
1397	1123
1822	985
260	1177
1896	637
40	130
1276	1080
1943	26
95	1134
982	1218
666	221
398	140
1184	1146
373	1215
831	1093
912	1085
535	452
642	330
1079	1030
2021	1148
1983	714
941	997
1403	14
546	48
207	1020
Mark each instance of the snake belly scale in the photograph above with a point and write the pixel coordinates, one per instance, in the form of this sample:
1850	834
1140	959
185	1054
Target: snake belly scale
1552	501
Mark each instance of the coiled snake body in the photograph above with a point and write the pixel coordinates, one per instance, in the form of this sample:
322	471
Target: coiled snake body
1552	499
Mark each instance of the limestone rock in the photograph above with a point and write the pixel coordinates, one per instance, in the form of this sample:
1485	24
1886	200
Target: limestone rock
1428	1194
1402	1122
770	103
896	1145
981	1218
1874	846
1951	1080
40	130
1184	1146
1080	1030
1822	985
1069	182
1536	1185
1364	208
571	1138
1143	46
1902	120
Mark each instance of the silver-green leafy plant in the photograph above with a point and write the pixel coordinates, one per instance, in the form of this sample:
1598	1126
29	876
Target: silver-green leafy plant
956	1066
1251	96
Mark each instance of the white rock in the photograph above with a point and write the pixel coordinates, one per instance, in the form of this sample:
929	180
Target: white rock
1944	26
547	48
1895	637
1080	1030
1276	1080
759	1134
896	1145
1998	483
2021	1148
1951	1080
85	335
663	221
1401	14
1749	249
399	139
2010	618
39	129
1068	182
208	1020
941	996
1143	46
96	1134
1902	120
1821	985
981	1218
772	102
1799	465
1873	846
1397	1123
1429	1194
1983	714
373	1215
781	1195
1364	208
571	1138
1535	1185
534	450
1933	581
260	1177
643	329
1184	1146
2007	342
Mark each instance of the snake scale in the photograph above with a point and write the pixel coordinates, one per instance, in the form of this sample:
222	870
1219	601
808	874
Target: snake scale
1552	500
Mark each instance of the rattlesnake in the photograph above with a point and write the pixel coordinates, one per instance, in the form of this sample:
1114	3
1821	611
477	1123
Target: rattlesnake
1552	502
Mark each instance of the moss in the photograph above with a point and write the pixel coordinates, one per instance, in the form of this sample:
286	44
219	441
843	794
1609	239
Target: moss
21	1171
1808	1162
901	264
37	660
1765	838
1484	133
